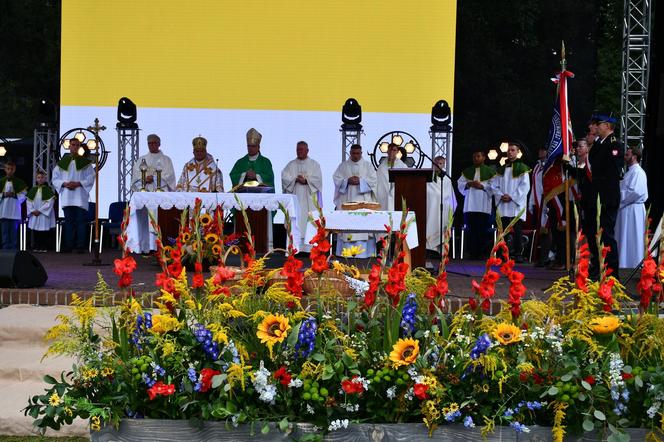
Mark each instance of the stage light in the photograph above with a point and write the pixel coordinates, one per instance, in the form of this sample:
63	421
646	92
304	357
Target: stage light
127	114
503	160
80	136
504	146
351	114
441	116
48	115
410	147
3	151
397	139
493	154
383	146
92	144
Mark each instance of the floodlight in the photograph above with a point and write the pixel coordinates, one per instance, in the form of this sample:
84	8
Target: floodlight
504	146
383	146
410	147
48	115
351	114
441	116
493	154
397	139
127	114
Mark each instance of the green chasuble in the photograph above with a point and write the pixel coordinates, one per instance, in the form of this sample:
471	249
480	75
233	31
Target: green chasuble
47	192
486	173
17	183
518	169
262	166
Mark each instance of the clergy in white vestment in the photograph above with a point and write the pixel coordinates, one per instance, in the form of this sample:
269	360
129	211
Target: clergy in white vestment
475	186
303	178
385	189
201	173
355	180
449	203
73	178
152	161
631	221
510	189
39	203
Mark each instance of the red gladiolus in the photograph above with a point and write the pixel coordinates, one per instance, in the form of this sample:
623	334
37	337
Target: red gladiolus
223	274
605	294
486	304
436	293
124	268
125	280
420	391
159	388
294	277
589	379
374	282
647	284
396	279
352	386
283	376
206	378
524	376
472	302
627	376
197	281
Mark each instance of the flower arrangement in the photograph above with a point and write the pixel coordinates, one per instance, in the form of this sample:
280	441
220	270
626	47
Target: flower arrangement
258	353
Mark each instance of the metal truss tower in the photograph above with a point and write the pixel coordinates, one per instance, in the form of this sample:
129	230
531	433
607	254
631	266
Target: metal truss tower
45	150
441	145
127	156
636	67
350	134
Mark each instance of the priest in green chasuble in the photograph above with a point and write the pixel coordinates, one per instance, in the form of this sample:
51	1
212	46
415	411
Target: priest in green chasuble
253	166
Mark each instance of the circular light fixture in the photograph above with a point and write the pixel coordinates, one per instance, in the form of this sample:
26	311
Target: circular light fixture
504	146
410	147
80	136
397	139
91	146
493	154
383	146
410	153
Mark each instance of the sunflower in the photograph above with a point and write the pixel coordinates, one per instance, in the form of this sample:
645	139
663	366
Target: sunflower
349	252
507	334
216	249
211	238
186	236
404	352
605	325
272	330
205	219
54	400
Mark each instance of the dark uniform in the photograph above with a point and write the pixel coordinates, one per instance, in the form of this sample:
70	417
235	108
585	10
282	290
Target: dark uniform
606	169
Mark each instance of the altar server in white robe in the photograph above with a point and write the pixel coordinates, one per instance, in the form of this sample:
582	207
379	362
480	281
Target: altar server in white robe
631	221
154	160
303	178
384	188
510	190
434	232
355	180
201	173
40	204
73	178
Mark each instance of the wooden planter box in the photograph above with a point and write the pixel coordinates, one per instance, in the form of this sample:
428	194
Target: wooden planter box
149	430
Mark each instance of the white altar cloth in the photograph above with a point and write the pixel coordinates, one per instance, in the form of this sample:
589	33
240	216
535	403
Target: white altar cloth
181	200
366	221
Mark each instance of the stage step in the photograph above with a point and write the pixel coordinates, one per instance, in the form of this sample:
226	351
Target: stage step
22	330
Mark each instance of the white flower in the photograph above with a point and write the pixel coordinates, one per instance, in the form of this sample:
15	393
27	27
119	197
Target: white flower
338	424
391	392
295	383
310	409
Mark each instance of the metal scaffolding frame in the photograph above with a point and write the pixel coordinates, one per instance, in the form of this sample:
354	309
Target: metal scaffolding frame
128	142
349	136
45	150
636	67
441	145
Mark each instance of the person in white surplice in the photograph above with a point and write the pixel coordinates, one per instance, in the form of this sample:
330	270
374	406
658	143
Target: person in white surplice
154	160
434	233
355	180
385	189
631	221
302	177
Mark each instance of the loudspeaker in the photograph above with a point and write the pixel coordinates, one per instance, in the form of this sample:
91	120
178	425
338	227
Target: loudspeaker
21	269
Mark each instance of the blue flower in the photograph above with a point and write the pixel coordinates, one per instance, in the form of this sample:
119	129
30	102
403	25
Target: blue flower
519	427
481	346
468	422
509	412
204	336
306	338
408	315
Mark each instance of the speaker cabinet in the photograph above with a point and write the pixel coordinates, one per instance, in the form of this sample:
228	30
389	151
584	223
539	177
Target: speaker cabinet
21	269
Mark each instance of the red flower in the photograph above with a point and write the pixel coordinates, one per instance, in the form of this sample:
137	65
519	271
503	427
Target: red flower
294	277
197	281
647	284
589	379
396	279
206	378
125	280
124	265
374	282
627	376
159	388
283	376
472	302
223	274
524	376
420	391
352	386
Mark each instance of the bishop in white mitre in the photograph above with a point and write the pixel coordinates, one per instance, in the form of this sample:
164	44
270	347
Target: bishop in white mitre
631	221
385	189
302	177
355	180
449	204
152	161
201	173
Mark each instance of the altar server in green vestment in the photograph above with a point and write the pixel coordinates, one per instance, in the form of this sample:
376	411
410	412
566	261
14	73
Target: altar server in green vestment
253	166
41	209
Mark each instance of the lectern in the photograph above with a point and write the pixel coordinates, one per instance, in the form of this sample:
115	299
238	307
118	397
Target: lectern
411	184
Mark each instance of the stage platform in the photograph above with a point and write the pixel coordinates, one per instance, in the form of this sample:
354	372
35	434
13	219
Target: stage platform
67	275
